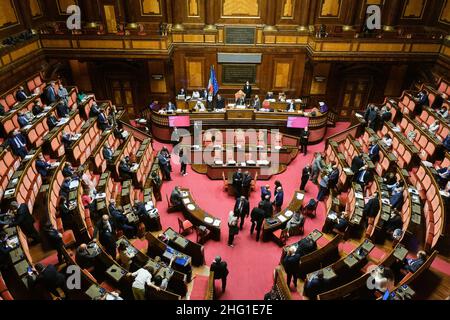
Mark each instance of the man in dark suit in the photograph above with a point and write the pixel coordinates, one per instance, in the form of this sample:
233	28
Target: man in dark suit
257	218
51	121
333	178
357	164
125	170
278	199
372	207
220	102
291	263
176	199
267	207
242	209
62	109
66	139
439	101
374	152
265	191
306	246
94	111
103	123
25	221
237	183
21	95
65	188
164	164
304	141
247	90
412	265
22	119
386	115
18	144
220	270
363	177
55	241
67	170
42	166
421	100
37	109
50	278
83	258
372	118
107	152
50	93
105	231
306	174
121	221
246	184
315	285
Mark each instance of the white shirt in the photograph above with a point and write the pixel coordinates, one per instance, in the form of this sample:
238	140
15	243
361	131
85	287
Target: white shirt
387	141
141	277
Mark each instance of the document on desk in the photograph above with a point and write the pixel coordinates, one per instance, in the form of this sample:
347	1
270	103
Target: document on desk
359	196
74	184
300	196
216	223
149	206
100	196
209	220
186	201
282	218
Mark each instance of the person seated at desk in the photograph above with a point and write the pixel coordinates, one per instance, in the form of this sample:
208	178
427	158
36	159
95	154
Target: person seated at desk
125	256
385	115
154	106
67	138
421	100
265	191
62	92
220	102
374	151
84	258
434	127
68	171
395	222
396	199
94	111
52	122
5	249
18	144
37	109
125	172
24	219
390	181
412	265
443	176
50	278
195	95
204	94
364	176
387	140
282	97
372	207
256	103
296	221
120	133
103	122
291	264
315	285
306	246
62	109
142	277
22	119
171	107
21	95
182	92
43	167
443	112
323	107
439	101
446	142
200	107
176	199
270	96
107	152
121	222
65	187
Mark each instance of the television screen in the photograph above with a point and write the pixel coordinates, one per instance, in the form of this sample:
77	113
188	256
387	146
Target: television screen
297	122
179	121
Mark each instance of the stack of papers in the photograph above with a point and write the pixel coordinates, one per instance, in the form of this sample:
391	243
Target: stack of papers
300	196
209	220
282	218
74	184
186	201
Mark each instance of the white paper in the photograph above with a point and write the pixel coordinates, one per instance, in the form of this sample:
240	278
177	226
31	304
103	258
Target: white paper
300	196
209	220
282	218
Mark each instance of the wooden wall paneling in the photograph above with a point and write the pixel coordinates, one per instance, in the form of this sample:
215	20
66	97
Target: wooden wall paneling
444	15
11	20
195	70
288	12
241	11
395	81
304	8
321	71
157	86
391	13
282	73
80	74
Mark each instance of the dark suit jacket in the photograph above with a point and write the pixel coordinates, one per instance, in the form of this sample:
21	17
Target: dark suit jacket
245	208
306	174
125	171
258	215
246	181
14	145
220	104
139	209
21	96
268	208
42	167
102	121
237	179
62	110
23	216
333	178
84	259
306	247
374	153
94	112
51	278
50	95
437	103
107	153
397	200
357	163
291	263
65	189
23	121
304	137
220	269
248	91
51	122
414	265
372	208
279	197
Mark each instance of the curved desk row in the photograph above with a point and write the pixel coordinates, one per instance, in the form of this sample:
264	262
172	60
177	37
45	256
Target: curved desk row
245	119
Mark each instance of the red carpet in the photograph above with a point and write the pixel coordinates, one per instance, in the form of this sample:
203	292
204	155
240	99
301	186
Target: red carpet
251	264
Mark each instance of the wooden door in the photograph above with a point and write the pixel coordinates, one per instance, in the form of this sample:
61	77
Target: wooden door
123	95
354	96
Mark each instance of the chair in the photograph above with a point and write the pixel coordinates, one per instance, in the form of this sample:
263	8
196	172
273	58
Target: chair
185	226
281	237
170	207
310	209
202	234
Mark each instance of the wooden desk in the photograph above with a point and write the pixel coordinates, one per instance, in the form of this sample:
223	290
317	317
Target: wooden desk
198	216
195	250
281	219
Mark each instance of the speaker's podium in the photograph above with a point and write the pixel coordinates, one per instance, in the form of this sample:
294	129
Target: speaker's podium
240	114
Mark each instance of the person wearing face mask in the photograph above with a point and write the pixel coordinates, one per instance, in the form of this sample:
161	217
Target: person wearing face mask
105	232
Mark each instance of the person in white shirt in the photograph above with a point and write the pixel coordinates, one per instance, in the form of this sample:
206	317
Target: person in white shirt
387	140
195	95
141	277
200	107
443	112
434	127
